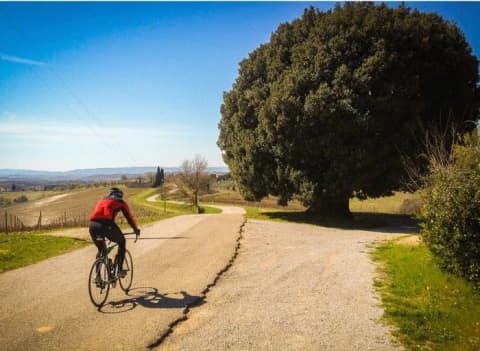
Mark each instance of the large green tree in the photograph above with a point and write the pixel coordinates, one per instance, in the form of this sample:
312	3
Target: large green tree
329	106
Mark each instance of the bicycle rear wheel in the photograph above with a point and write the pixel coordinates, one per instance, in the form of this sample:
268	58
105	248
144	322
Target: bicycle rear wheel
98	283
126	282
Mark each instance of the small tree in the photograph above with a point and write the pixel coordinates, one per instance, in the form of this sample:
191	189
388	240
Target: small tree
194	177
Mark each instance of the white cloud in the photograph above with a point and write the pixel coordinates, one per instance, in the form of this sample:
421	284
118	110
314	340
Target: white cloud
21	60
55	131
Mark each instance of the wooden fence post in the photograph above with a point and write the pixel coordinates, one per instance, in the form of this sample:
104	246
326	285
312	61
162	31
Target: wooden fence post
6	222
39	223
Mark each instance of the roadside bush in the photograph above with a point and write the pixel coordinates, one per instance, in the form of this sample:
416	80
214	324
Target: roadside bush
20	199
410	206
451	210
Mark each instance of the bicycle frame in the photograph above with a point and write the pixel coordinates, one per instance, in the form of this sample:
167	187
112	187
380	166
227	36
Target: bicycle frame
104	256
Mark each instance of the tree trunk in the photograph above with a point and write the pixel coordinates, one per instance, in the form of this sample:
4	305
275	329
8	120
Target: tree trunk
195	199
336	206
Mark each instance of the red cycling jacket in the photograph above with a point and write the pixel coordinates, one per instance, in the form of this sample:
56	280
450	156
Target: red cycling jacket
108	208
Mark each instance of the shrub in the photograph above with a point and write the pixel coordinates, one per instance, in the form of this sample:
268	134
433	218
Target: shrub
451	210
20	199
410	206
5	201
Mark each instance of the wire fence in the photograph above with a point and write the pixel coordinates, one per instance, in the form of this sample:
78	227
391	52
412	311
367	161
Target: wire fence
11	222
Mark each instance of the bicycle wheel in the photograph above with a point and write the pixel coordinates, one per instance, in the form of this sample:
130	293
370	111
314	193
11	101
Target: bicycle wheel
98	283
126	282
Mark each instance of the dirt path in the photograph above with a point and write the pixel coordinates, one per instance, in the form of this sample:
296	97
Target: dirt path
153	198
46	306
292	287
50	199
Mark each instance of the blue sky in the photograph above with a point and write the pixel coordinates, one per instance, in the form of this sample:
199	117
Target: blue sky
86	85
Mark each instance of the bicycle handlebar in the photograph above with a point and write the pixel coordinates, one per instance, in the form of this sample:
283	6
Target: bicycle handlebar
136	236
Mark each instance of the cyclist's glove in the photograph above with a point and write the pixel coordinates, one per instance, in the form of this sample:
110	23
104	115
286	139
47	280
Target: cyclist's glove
137	232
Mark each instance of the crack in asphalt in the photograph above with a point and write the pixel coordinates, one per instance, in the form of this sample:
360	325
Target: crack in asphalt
201	299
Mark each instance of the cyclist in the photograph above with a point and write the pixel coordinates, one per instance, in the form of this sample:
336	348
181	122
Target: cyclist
102	224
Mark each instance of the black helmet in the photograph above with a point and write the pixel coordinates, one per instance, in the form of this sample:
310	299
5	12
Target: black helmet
116	193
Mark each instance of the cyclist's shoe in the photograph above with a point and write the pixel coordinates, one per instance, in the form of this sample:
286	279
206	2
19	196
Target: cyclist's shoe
122	273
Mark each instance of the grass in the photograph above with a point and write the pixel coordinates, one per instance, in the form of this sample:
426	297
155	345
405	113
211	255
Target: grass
227	196
18	250
211	210
430	309
398	203
165	209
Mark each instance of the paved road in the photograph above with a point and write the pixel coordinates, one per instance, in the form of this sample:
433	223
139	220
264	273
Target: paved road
46	306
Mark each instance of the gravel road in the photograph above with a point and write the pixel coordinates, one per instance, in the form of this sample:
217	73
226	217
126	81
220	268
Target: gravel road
292	287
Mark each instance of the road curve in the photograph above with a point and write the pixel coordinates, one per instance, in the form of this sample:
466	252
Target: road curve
46	306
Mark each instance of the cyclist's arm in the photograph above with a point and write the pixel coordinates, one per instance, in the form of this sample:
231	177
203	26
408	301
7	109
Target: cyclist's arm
128	215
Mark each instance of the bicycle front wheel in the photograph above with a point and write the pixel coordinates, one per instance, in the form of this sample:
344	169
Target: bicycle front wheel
126	282
98	283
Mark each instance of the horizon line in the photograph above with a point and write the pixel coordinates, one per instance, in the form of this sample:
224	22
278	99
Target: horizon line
90	168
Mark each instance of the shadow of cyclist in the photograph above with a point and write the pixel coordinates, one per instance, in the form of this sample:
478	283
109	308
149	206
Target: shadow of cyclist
149	297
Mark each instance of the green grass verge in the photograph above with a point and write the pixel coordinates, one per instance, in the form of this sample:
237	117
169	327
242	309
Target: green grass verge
211	209
430	309
18	250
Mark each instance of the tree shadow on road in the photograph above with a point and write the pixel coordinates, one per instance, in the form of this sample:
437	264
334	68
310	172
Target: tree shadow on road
149	297
381	222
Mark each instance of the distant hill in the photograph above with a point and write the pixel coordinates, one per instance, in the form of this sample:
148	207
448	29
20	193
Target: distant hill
89	174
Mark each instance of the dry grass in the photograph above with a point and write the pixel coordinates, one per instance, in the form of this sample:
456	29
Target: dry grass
31	195
398	203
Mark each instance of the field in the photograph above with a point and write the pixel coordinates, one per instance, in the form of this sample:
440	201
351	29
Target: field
72	208
58	206
399	203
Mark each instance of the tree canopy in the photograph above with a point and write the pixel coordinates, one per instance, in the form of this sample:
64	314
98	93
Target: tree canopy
328	107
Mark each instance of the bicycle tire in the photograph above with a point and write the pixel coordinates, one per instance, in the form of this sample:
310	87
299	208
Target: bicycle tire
98	290
126	282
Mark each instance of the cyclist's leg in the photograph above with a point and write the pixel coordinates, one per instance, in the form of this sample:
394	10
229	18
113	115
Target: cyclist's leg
97	233
116	235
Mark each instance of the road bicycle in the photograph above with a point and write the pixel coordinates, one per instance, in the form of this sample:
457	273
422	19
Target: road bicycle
104	274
